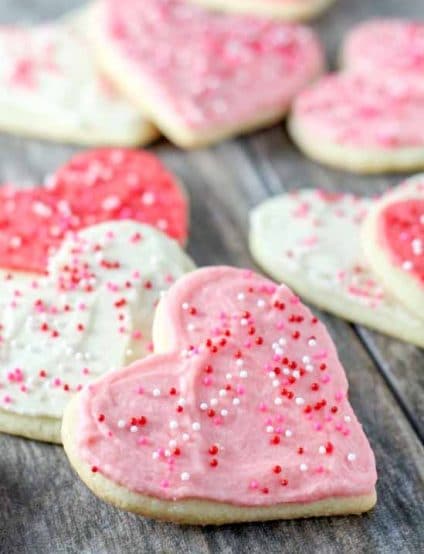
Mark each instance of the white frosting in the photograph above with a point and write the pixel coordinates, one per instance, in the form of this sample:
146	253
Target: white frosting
313	244
49	86
116	316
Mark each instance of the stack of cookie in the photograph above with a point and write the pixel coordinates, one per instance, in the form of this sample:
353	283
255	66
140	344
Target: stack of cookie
368	118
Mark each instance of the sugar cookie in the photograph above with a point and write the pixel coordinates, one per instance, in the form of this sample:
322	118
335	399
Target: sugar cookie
51	89
94	186
289	10
364	125
204	76
93	312
242	416
310	239
393	243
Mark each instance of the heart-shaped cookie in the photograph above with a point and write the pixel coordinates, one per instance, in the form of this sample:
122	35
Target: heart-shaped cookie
203	75
362	124
243	415
50	88
386	45
310	239
393	243
93	312
92	187
289	10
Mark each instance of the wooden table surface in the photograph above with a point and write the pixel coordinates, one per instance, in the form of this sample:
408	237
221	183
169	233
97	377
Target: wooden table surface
45	508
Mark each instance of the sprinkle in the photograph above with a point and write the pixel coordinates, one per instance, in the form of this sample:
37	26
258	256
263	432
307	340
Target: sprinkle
351	457
185	476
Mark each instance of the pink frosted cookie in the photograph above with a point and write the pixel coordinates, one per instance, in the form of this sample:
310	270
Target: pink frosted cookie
203	76
91	313
311	240
360	124
242	414
94	186
289	10
384	46
393	242
51	89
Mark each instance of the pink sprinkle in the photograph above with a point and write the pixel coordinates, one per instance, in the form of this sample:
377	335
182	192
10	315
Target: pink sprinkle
253	485
142	441
318	426
262	407
137	335
207	381
164	484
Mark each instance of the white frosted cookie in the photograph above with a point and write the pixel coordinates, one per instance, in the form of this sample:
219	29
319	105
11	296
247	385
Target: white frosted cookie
51	89
289	10
240	366
310	240
203	76
353	122
393	243
92	313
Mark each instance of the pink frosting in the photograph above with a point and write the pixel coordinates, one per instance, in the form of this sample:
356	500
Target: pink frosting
354	110
212	68
385	45
401	226
249	406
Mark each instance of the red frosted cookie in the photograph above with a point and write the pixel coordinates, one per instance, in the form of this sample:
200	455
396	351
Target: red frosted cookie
386	45
241	415
289	10
94	186
355	122
393	242
203	75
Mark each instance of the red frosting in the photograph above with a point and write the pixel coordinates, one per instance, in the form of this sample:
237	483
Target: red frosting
95	186
402	226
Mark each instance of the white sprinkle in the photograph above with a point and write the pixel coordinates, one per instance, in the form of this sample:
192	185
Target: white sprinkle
185	476
224	413
241	296
309	368
407	265
306	359
181	401
110	203
228	376
260	303
156	392
172	443
148	198
347	418
278	401
190	327
236	401
312	342
121	423
222	392
275	383
303	467
271	374
213	401
288	433
155	455
269	429
351	457
173	424
203	406
243	374
417	247
196	426
296	374
184	306
133	428
299	401
282	341
186	437
243	322
239	362
322	450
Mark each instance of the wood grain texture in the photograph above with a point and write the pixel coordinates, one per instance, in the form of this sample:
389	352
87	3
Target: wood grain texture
43	506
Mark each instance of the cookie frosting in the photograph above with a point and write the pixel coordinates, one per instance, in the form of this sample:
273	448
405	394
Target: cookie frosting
46	75
211	69
249	406
94	186
93	312
353	110
386	45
